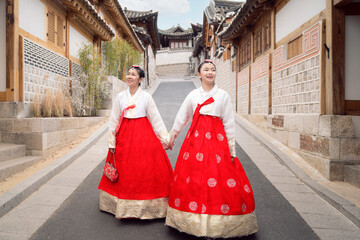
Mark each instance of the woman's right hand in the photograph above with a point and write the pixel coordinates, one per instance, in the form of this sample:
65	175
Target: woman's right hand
112	150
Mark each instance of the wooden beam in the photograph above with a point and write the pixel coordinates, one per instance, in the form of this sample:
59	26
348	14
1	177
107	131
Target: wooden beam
12	50
335	64
352	107
21	69
340	3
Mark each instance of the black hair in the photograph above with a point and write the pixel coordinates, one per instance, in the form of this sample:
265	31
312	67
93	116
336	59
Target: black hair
139	70
205	61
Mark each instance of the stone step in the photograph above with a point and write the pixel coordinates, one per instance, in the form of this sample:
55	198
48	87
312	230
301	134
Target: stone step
352	175
10	151
16	165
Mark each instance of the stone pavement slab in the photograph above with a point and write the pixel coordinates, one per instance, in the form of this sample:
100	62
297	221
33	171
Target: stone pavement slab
22	221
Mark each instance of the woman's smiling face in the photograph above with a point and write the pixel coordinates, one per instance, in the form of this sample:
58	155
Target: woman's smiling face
207	73
132	78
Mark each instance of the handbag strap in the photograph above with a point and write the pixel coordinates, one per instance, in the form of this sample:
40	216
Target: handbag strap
114	159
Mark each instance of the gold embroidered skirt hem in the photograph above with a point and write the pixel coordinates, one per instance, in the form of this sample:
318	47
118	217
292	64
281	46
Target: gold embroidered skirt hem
142	209
215	226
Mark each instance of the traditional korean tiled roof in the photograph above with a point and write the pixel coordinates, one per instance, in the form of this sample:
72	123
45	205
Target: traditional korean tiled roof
247	15
150	18
117	14
136	15
85	12
217	10
176	32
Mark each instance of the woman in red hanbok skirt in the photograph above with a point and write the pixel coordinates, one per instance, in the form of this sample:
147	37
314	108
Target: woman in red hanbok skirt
211	195
137	135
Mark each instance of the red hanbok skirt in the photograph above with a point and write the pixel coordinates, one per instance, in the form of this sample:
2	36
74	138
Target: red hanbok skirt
143	166
206	181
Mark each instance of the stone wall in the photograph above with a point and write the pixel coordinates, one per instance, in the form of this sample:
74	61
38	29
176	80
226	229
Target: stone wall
296	81
43	69
260	86
178	70
243	91
44	136
226	78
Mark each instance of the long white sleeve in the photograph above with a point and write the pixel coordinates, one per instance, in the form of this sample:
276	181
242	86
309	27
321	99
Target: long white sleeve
228	119
114	120
183	116
156	120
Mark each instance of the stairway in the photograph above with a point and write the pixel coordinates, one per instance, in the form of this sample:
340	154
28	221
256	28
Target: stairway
13	159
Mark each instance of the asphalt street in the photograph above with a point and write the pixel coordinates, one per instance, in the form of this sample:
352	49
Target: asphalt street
79	216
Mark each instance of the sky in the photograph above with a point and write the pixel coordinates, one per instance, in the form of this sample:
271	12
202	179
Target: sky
171	12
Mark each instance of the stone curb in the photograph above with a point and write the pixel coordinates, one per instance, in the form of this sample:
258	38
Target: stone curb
17	194
348	209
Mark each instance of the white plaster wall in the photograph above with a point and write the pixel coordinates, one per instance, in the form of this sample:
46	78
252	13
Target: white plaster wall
32	17
296	13
172	57
352	57
152	66
2	47
76	41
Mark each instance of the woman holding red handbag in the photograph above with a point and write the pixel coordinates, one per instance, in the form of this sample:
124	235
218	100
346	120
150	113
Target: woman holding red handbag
137	136
211	195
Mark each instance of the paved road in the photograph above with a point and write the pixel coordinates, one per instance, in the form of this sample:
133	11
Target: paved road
79	216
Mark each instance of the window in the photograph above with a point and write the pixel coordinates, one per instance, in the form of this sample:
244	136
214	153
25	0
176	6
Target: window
262	39
245	53
294	47
56	29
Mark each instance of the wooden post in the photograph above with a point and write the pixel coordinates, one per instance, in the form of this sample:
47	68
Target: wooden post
335	61
12	50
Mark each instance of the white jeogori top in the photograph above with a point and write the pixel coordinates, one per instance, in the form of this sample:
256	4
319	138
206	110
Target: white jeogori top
145	107
221	107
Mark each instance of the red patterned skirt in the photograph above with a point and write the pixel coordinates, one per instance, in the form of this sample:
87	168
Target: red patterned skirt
207	182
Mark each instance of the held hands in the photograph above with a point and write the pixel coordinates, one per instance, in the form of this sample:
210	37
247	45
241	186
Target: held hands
112	150
171	139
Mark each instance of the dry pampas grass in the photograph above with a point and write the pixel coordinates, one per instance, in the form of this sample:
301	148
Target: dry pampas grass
58	103
47	103
37	104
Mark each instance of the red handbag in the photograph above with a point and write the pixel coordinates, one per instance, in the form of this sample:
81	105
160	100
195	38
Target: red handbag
110	171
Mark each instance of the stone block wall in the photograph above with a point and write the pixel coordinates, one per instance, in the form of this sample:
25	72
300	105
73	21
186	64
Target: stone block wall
43	69
43	136
243	91
296	81
326	142
260	86
226	78
178	70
